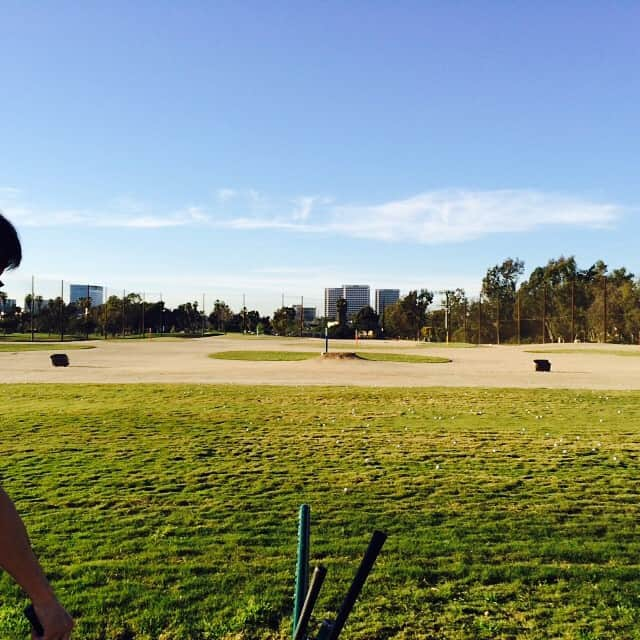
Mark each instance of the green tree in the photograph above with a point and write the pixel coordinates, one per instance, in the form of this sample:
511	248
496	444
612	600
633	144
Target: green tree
499	286
367	320
49	317
113	323
407	317
252	318
613	303
221	315
341	311
458	315
284	321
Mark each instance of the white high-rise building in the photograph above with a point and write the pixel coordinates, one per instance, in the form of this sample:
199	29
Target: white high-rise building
331	296
309	313
357	296
385	297
94	292
8	304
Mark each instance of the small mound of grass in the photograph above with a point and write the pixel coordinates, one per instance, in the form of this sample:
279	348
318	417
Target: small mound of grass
270	356
449	345
400	357
599	352
290	356
39	346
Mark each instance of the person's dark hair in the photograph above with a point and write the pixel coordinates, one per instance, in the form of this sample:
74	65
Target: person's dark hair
10	248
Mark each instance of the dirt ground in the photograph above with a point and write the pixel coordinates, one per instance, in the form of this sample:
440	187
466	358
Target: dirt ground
178	360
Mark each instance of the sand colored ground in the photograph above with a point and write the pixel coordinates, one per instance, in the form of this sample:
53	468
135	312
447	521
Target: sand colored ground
181	360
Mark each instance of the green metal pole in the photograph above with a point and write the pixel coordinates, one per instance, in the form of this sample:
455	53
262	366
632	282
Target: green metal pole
302	565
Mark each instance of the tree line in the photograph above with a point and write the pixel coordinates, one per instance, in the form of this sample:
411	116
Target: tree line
129	315
558	302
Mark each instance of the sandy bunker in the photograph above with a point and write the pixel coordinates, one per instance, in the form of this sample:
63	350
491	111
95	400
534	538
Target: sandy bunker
166	360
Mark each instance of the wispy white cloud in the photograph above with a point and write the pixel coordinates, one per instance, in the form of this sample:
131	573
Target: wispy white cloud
27	216
438	217
456	216
434	217
257	223
224	195
124	213
188	216
303	207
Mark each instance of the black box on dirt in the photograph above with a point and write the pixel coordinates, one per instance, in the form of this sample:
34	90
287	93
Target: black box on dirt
542	365
59	360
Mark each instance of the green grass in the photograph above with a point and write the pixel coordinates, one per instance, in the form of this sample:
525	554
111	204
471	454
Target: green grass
55	338
169	511
601	352
400	357
41	346
306	355
450	345
265	355
45	337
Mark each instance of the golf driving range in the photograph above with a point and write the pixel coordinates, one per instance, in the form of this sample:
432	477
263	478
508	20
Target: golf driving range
170	511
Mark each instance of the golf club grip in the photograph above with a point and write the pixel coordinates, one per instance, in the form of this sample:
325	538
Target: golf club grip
32	616
317	579
377	540
324	631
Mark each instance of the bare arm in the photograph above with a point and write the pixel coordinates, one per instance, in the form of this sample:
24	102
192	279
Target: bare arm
17	557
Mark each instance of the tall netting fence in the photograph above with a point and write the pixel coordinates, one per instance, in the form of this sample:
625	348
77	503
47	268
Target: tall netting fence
599	311
38	308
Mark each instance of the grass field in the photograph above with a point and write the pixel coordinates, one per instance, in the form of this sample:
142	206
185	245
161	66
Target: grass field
271	356
628	352
40	346
277	356
169	512
449	345
401	357
49	337
43	337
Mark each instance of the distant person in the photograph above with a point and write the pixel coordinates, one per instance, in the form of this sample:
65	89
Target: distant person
16	555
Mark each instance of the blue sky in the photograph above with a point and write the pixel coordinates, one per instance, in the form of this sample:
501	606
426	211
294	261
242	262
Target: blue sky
264	149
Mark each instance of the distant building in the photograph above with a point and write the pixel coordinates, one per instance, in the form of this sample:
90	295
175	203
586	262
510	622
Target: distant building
7	305
94	292
331	296
384	298
309	313
357	297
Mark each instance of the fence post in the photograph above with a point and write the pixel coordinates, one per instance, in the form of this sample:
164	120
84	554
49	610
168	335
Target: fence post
302	565
544	310
518	311
573	310
61	310
604	318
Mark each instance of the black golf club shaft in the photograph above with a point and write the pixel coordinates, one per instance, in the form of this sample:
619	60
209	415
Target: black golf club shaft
315	585
366	565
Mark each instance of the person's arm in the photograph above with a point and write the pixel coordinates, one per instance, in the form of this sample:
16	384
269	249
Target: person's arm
17	557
